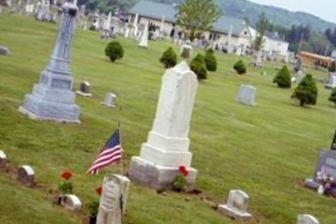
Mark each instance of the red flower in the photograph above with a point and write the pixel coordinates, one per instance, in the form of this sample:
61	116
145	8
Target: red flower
66	175
183	170
99	190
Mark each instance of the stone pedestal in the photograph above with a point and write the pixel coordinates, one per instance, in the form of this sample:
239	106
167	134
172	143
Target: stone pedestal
167	146
113	200
236	206
52	98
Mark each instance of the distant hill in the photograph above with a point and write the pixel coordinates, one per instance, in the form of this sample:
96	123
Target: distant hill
279	16
233	8
244	8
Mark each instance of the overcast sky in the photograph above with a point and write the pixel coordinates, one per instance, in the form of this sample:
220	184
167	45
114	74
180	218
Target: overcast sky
325	9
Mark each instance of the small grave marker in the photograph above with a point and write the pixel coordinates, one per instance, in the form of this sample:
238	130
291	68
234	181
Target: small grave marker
307	219
72	202
236	206
26	175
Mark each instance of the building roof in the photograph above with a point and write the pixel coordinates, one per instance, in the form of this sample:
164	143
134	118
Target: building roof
155	10
274	36
224	24
315	56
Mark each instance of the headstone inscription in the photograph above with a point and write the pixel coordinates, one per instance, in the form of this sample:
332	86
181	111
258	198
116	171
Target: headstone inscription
324	179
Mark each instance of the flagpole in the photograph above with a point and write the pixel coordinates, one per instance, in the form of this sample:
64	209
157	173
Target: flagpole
121	161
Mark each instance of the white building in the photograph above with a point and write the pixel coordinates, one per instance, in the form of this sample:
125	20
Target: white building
231	33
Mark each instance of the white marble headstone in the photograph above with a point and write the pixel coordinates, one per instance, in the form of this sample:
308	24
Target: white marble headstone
72	202
246	95
307	219
144	37
331	82
168	142
236	206
110	100
113	200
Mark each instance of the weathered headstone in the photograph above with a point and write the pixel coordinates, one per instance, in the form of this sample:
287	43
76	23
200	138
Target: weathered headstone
109	100
307	219
236	206
144	37
299	75
326	164
113	200
186	50
167	147
84	89
3	160
4	51
52	98
72	202
298	65
26	175
331	82
246	95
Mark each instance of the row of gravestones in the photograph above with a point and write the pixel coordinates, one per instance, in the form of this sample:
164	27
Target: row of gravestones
113	200
85	90
236	208
26	176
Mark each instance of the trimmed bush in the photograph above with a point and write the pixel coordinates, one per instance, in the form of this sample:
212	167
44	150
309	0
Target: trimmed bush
240	67
332	97
169	58
306	92
283	78
210	60
114	51
197	65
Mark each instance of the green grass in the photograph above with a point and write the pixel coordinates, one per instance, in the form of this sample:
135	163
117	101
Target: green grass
266	150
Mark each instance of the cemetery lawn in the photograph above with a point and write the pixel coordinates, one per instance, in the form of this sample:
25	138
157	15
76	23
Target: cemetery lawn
267	150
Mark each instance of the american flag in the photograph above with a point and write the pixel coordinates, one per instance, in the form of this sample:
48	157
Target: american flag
111	153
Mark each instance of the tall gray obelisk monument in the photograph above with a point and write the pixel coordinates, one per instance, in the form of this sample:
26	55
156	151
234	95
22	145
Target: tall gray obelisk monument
52	98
